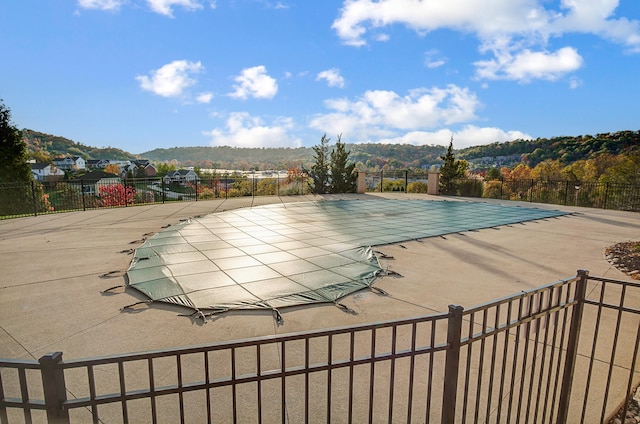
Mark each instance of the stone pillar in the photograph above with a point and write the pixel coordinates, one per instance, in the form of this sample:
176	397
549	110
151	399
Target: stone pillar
433	183
361	186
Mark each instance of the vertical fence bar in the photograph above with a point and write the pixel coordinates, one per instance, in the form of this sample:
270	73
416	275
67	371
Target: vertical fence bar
24	394
84	206
329	371
406	180
372	373
283	386
432	343
572	347
3	410
612	363
306	383
259	382
412	363
451	364
152	391
55	390
33	198
392	371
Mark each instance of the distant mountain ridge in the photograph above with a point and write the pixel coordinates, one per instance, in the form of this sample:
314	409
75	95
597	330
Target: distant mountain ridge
43	147
369	156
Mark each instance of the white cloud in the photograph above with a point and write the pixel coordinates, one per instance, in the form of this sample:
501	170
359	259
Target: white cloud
171	79
574	83
466	137
101	4
515	32
165	7
204	97
527	65
244	130
596	17
332	76
433	59
254	82
380	113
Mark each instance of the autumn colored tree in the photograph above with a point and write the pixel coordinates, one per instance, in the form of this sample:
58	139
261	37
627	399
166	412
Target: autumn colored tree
116	195
627	171
112	168
547	170
520	172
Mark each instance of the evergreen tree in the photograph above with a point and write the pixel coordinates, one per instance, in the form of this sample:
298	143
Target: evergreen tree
343	179
19	194
319	172
13	151
451	170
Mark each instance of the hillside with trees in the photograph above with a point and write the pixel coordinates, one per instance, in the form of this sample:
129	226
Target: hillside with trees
565	149
368	157
44	147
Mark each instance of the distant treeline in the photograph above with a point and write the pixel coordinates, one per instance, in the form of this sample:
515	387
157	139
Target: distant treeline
368	157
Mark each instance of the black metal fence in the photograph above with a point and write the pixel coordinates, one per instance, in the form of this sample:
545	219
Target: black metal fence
515	359
35	198
41	197
617	196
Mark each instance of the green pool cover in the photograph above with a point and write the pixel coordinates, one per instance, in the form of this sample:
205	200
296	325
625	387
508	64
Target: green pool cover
298	253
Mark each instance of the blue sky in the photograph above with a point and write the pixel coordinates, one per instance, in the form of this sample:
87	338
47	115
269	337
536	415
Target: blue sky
145	74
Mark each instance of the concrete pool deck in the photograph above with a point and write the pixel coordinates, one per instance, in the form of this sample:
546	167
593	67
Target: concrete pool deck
54	266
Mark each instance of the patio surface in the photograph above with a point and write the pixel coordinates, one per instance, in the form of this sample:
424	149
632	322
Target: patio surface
53	270
55	267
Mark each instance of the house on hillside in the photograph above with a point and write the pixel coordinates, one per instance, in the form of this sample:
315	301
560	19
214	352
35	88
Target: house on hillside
97	163
46	172
181	176
70	163
139	169
91	182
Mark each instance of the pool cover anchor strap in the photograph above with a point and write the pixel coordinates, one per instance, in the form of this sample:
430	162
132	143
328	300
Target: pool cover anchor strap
278	316
383	255
111	274
379	291
145	302
110	289
197	313
345	308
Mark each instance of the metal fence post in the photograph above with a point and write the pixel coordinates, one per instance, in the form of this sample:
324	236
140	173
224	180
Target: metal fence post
572	347
406	180
33	197
55	390
84	205
451	364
